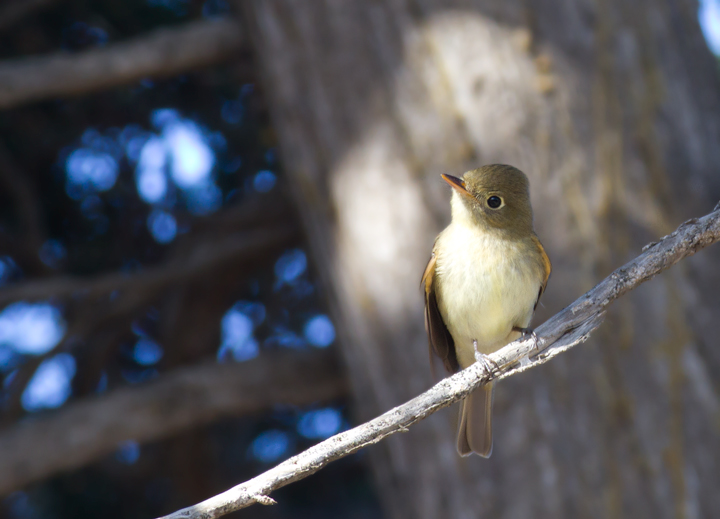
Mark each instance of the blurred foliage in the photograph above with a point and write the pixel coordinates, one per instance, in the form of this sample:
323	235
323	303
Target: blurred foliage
109	232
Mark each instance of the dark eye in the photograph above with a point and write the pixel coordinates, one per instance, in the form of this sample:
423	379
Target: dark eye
494	202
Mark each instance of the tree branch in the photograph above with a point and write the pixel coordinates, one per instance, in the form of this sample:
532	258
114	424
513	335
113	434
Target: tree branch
197	262
569	327
89	429
162	53
134	291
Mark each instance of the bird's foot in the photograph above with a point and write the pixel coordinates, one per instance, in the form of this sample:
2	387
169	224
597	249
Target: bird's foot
528	331
483	359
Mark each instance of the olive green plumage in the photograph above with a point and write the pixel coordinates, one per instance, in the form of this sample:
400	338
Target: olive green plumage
486	274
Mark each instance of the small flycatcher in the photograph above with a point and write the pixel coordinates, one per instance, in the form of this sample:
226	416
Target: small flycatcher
484	280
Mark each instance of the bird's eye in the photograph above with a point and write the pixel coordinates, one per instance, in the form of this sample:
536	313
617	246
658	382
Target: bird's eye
494	202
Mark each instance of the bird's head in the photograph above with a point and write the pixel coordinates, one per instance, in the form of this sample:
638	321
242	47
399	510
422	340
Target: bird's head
494	196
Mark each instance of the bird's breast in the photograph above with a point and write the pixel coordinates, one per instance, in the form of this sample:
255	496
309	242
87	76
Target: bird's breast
486	285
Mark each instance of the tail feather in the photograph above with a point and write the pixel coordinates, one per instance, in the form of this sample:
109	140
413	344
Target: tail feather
475	428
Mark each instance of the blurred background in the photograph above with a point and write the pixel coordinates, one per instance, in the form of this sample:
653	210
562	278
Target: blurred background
214	216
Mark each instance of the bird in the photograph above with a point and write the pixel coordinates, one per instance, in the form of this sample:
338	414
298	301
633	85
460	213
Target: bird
486	275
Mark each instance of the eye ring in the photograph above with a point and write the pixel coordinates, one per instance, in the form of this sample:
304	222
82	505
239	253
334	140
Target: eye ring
495	202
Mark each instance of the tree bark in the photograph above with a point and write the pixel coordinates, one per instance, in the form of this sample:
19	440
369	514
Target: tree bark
613	111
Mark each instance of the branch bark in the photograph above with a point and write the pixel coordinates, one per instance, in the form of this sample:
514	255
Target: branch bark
162	53
87	430
569	327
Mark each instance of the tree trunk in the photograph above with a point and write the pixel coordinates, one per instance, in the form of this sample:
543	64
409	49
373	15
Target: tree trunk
613	110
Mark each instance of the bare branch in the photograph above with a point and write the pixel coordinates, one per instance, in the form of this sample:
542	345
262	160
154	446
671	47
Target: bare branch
134	291
238	238
87	430
197	262
13	13
162	53
567	328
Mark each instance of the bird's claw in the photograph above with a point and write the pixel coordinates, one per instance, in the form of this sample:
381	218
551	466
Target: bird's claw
483	359
529	331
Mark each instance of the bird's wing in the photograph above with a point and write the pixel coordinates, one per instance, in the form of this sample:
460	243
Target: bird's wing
546	266
441	342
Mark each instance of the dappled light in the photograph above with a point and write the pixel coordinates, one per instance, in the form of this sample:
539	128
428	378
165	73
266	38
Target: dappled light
151	177
31	328
147	352
191	159
175	166
320	423
89	171
290	266
709	16
142	210
162	225
182	152
264	181
50	385
237	336
319	331
128	453
270	446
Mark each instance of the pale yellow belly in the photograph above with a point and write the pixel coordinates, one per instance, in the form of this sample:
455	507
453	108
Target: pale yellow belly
485	287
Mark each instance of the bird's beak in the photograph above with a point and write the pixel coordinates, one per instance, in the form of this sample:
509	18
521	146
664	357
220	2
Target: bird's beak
457	184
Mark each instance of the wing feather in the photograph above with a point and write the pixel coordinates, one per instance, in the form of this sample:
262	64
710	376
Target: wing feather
441	342
547	266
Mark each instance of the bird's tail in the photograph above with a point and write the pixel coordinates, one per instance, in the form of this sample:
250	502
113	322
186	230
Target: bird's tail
475	428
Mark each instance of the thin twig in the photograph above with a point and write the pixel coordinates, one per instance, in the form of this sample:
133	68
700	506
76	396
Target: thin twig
567	328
